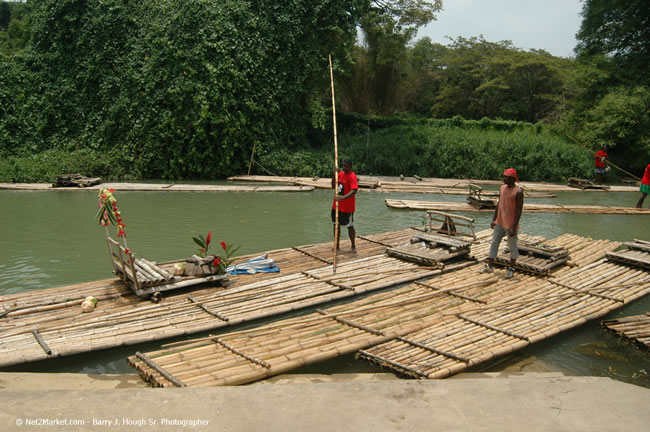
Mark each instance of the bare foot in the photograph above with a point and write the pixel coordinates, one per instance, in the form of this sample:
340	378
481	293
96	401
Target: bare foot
354	250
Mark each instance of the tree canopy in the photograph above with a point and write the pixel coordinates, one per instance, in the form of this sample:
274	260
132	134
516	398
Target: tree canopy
619	29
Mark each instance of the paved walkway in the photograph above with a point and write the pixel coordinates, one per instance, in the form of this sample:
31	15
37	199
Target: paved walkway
483	402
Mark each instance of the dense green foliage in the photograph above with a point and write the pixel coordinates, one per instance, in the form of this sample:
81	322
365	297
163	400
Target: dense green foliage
14	27
612	74
441	148
177	88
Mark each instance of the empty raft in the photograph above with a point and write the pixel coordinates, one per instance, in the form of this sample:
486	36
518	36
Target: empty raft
418	184
430	328
528	207
162	187
635	327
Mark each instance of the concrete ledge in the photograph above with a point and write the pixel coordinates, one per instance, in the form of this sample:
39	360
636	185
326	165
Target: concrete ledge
530	403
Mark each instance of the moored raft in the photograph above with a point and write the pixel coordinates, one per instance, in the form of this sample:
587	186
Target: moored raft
121	318
430	328
420	185
528	207
635	327
162	187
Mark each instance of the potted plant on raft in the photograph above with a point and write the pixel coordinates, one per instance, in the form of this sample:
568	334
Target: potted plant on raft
206	263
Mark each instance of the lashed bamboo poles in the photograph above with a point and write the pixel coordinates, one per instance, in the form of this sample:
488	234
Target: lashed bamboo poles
635	327
336	171
535	313
288	344
129	324
528	207
378	183
127	320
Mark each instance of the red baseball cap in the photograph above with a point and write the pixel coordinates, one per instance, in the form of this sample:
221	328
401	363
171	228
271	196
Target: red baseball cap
510	172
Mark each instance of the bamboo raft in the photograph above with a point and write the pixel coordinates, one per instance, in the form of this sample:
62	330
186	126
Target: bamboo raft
420	185
162	187
429	328
585	184
528	207
49	323
635	327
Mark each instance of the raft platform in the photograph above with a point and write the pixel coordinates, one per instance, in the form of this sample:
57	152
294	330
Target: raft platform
446	206
158	187
425	185
431	328
636	328
46	324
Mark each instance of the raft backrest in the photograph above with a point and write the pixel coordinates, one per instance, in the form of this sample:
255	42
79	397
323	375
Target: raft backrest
123	263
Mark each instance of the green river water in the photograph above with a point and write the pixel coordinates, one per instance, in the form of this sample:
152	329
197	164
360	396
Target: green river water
51	238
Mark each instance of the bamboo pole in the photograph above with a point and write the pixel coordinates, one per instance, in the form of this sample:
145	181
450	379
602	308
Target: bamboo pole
336	170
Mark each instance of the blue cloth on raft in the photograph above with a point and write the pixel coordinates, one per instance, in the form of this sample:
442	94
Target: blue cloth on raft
258	264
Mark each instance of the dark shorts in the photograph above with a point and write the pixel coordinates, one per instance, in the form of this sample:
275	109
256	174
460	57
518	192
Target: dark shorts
345	219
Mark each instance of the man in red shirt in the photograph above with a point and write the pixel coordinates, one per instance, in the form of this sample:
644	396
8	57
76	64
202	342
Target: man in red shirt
645	186
345	195
600	166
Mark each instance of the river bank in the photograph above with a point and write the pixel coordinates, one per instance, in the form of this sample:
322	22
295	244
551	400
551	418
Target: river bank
532	402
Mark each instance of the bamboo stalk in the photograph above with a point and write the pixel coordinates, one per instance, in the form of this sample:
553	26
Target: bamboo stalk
336	169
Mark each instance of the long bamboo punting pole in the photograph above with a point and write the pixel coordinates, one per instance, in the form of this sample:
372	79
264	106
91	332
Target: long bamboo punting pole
609	162
336	169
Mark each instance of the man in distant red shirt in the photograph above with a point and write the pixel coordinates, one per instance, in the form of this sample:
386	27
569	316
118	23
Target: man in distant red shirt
345	195
600	166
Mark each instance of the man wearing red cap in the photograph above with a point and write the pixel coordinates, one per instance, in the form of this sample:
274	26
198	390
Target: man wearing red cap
506	221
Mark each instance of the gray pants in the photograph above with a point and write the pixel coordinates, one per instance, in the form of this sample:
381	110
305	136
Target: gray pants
497	235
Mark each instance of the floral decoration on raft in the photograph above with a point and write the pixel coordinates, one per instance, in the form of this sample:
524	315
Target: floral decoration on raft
109	214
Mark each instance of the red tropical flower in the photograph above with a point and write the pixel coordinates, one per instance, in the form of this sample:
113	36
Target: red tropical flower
223	245
216	261
208	238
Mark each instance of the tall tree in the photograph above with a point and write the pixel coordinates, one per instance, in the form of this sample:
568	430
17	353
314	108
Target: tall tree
388	27
613	76
619	29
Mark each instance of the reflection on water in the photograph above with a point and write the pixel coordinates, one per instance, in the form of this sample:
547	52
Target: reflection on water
52	238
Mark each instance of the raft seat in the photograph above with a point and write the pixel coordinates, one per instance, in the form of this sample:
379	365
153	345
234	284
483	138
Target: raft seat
146	277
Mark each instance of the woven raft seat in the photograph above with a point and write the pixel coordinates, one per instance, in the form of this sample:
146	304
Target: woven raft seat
435	247
145	277
536	258
636	253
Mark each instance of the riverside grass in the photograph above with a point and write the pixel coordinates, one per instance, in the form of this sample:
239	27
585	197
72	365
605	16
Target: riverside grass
437	149
452	148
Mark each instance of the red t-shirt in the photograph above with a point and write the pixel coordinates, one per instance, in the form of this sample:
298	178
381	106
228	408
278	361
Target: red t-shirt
600	159
347	182
646	176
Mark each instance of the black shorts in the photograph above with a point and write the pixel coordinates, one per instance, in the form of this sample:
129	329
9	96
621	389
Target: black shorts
345	219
